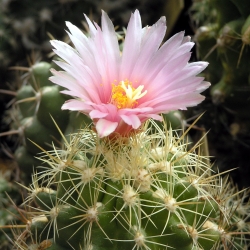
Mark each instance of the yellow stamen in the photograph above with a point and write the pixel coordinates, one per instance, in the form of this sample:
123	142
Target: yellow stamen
124	95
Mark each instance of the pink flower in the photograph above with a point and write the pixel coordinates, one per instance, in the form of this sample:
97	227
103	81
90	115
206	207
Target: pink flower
119	91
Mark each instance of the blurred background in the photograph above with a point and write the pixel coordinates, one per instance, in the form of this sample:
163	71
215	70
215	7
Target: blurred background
220	29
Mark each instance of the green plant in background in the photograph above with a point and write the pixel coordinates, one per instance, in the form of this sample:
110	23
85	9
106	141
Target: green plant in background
8	211
35	102
149	191
122	186
222	38
114	184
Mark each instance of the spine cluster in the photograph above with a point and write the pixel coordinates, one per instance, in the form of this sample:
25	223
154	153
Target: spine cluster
149	191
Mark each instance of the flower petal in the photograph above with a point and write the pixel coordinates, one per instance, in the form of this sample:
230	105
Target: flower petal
149	46
97	114
131	46
132	120
112	52
105	127
76	105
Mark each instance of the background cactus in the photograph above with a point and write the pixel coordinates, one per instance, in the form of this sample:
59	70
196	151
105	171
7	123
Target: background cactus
35	101
8	211
149	191
222	38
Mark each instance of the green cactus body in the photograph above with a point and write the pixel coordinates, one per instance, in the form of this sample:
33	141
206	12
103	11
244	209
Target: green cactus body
50	104
39	115
143	192
33	129
27	108
39	75
25	159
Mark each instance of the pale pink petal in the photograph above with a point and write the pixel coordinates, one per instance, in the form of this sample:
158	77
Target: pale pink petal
163	56
97	114
92	28
180	103
76	106
154	116
162	80
110	109
103	67
186	39
105	127
183	49
81	71
132	45
135	110
149	46
132	120
203	86
82	45
64	79
89	90
112	52
169	80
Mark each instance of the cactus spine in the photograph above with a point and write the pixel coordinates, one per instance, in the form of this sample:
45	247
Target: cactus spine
149	191
222	38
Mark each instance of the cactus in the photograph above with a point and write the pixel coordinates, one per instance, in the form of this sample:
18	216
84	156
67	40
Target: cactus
150	191
9	196
34	102
222	38
222	41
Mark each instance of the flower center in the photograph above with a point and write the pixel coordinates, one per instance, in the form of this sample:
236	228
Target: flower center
124	95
